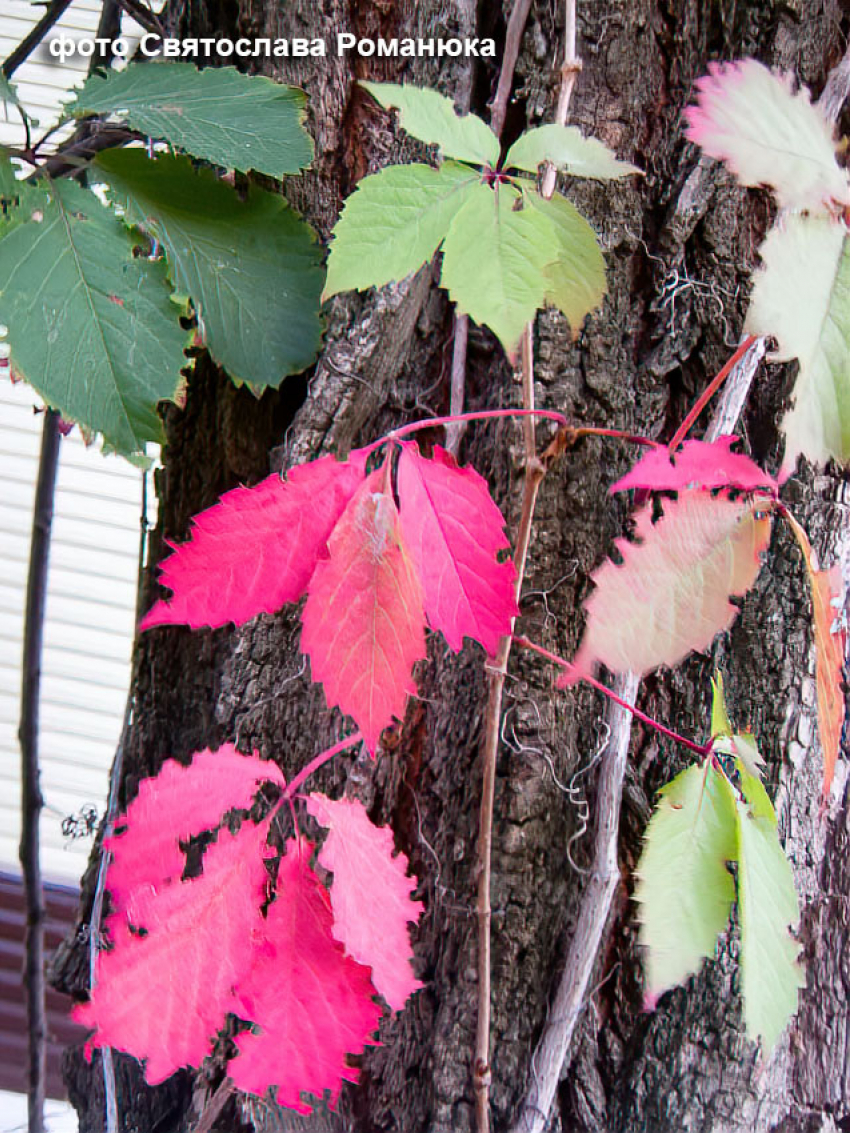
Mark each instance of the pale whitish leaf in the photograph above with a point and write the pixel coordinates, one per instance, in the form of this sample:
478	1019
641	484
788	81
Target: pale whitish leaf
493	261
91	326
431	117
684	889
235	120
801	297
251	267
766	134
770	971
568	149
574	270
394	222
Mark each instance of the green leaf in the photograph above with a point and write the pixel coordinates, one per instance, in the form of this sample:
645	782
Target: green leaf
8	93
720	724
770	971
574	270
251	267
394	222
90	326
235	120
432	118
684	888
493	260
566	148
801	297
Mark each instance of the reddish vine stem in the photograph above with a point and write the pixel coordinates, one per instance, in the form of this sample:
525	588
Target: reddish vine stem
709	392
319	761
700	749
31	799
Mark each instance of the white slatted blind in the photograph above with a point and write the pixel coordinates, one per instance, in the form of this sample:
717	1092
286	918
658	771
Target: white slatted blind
89	629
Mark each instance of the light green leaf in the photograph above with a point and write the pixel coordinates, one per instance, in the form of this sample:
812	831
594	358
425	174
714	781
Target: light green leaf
720	724
394	222
770	971
8	93
251	267
574	270
431	117
494	258
235	120
746	749
801	297
684	889
90	326
566	148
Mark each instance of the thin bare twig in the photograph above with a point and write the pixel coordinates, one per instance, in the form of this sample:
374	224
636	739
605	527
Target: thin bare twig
214	1106
31	800
455	431
28	44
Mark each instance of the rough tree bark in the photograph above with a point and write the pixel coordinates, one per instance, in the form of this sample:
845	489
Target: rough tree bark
680	244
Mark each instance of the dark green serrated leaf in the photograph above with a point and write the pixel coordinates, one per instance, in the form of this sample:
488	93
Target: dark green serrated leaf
394	222
431	117
90	326
566	148
235	120
252	267
574	269
770	970
684	889
493	261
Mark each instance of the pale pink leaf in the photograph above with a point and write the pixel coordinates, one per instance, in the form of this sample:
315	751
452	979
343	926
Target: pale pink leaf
370	895
455	533
256	549
173	807
164	995
312	1003
671	593
364	619
752	120
698	464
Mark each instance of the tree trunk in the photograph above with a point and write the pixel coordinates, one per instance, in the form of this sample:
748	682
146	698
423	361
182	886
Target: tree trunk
680	245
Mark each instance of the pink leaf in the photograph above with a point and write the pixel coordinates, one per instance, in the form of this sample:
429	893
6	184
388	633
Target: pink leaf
671	593
455	532
173	806
698	464
313	1003
257	547
164	995
370	895
363	619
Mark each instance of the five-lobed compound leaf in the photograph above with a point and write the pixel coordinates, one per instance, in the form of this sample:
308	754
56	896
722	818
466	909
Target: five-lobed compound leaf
394	222
163	995
230	119
493	261
698	464
827	592
251	267
431	117
671	593
364	617
753	121
257	548
566	148
174	806
370	894
454	533
91	326
684	889
770	971
801	297
312	1003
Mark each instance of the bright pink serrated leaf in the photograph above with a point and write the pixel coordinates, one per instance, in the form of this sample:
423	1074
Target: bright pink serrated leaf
455	532
174	806
370	895
163	996
671	593
312	1003
364	618
256	549
698	464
